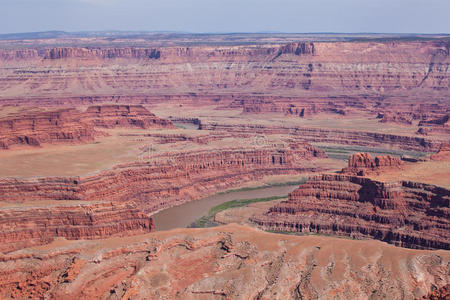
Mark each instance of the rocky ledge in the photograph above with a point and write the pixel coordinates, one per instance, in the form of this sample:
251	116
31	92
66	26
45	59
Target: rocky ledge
363	164
161	181
124	116
68	125
29	224
406	214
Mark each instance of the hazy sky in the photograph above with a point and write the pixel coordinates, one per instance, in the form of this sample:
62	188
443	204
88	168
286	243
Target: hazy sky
401	16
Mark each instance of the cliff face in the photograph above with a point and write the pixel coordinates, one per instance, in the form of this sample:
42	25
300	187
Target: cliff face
166	180
92	53
227	262
406	214
363	164
125	116
344	67
35	128
29	225
293	107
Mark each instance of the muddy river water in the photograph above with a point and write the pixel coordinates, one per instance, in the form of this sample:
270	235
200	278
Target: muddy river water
184	214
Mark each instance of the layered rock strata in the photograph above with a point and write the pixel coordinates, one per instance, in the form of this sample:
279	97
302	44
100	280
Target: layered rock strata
362	164
435	126
35	128
227	262
161	181
404	213
22	226
337	136
349	67
124	116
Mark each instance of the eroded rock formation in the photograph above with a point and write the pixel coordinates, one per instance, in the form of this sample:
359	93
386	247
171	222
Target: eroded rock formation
363	164
227	262
312	66
161	181
404	213
443	153
125	116
395	118
22	226
36	127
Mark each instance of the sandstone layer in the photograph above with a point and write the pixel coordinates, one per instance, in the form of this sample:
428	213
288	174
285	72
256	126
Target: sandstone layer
124	116
363	164
333	136
228	262
161	181
407	214
36	128
301	66
69	125
23	226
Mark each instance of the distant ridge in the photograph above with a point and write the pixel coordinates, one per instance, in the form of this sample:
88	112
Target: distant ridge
149	34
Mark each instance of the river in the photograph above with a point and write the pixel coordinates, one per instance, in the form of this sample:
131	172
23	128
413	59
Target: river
185	214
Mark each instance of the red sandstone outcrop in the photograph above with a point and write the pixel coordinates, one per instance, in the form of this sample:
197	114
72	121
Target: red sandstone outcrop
162	181
362	164
227	262
444	121
22	226
36	128
404	213
125	116
303	109
91	53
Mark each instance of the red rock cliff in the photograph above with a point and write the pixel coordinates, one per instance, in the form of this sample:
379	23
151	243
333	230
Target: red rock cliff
111	116
169	179
406	214
363	164
343	67
36	128
22	226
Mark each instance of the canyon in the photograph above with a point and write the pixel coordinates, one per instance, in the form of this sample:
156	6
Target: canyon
130	192
99	134
165	180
